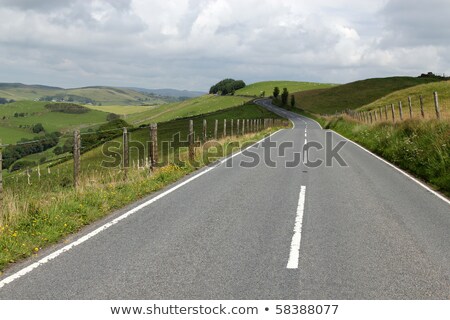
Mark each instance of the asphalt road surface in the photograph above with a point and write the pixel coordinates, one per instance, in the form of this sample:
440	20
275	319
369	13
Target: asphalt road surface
362	230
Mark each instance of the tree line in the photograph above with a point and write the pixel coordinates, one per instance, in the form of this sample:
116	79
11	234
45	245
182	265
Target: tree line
284	96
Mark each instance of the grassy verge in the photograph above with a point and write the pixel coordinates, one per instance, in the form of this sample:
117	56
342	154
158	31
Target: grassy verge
420	147
47	217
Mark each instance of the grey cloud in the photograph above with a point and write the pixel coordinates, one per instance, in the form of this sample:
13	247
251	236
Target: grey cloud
191	44
416	23
33	5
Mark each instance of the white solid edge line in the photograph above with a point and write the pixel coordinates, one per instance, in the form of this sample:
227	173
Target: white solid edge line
91	234
294	253
398	169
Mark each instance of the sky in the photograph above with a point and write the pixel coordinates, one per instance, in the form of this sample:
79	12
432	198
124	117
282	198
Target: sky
192	44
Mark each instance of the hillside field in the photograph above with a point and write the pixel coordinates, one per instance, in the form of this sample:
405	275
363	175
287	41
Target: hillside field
355	94
35	112
187	108
426	90
255	89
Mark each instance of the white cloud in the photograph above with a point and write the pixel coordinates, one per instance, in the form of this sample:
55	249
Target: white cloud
192	43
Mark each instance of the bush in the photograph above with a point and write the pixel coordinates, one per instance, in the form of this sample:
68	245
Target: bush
112	116
71	108
37	128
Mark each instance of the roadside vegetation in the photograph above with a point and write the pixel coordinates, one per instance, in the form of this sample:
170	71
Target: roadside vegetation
420	147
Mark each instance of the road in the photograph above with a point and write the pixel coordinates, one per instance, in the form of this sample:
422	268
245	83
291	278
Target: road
360	231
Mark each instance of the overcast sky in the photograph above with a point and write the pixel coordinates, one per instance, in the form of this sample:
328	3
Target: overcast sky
191	44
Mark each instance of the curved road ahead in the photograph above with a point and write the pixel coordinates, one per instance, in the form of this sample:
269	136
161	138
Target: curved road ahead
361	231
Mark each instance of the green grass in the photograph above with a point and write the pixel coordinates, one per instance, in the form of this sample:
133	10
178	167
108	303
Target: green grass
421	147
354	95
37	215
121	110
10	135
188	108
426	90
255	89
37	113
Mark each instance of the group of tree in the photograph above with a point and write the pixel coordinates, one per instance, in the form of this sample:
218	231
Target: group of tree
71	108
26	147
20	114
112	116
5	101
284	96
227	86
105	132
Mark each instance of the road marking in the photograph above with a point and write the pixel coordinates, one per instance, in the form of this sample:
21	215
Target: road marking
86	237
398	169
297	237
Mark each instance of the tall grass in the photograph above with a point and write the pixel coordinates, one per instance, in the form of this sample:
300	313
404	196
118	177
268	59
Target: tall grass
421	147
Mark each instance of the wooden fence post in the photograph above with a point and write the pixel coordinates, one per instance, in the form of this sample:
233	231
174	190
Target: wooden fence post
386	112
410	108
216	127
204	130
153	149
237	127
126	155
224	128
76	158
191	140
231	127
393	112
370	116
436	105
422	112
400	110
375	115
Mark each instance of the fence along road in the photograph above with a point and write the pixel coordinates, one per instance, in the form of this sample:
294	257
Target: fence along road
365	231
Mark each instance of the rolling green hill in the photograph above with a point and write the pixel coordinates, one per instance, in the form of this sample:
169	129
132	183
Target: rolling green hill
426	90
255	89
93	95
355	94
187	108
13	128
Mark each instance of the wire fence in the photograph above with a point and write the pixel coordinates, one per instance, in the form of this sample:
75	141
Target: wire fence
123	149
415	107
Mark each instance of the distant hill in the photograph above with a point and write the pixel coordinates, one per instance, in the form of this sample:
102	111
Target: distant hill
355	94
95	95
171	92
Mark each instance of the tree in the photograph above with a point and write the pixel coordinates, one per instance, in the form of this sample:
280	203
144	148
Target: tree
276	92
112	116
292	101
38	127
263	94
227	86
284	96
